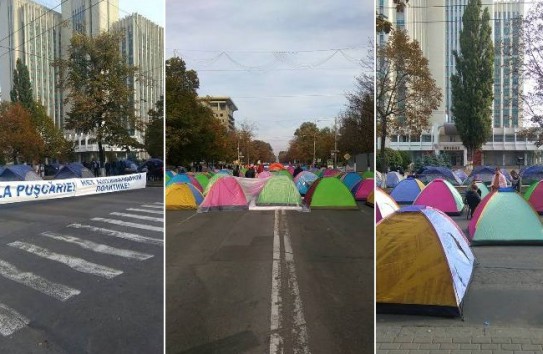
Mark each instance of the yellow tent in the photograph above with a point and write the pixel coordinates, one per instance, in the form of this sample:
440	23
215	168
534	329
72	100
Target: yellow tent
182	196
371	198
424	263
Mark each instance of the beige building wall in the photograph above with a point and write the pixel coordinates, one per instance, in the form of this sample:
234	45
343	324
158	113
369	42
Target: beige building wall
223	109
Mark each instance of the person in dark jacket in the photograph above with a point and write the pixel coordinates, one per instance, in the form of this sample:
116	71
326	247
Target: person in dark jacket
473	198
250	172
297	170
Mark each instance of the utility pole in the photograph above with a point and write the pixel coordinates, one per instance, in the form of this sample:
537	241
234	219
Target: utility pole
335	142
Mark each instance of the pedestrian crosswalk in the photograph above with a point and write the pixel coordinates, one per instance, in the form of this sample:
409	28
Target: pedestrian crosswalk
81	247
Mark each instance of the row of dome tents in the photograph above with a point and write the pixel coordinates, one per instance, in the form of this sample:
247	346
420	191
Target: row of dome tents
226	192
26	173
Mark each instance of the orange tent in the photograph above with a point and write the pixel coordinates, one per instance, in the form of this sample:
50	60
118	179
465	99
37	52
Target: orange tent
276	166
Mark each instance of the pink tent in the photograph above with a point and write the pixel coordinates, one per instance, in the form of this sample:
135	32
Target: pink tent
442	195
384	204
329	172
264	174
195	183
290	169
225	194
363	189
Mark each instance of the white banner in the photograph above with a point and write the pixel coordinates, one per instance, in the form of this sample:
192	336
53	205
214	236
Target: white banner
22	191
86	186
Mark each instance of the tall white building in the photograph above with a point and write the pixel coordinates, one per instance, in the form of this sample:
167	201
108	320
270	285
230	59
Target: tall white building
436	25
143	47
39	35
31	32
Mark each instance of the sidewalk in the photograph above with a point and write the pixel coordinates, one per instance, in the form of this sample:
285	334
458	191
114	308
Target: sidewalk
394	339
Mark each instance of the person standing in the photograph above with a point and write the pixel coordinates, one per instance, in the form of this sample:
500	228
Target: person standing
473	198
498	180
515	181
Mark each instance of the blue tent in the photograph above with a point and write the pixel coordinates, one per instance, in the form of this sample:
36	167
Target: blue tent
350	179
461	174
428	173
179	178
19	173
485	174
392	179
532	174
74	170
406	191
304	181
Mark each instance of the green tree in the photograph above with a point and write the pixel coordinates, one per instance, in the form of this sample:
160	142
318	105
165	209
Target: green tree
20	141
393	159
154	134
472	84
192	132
262	151
406	93
22	88
56	146
100	92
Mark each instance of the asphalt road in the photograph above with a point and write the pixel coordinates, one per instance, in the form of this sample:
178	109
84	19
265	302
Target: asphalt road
64	291
270	281
505	290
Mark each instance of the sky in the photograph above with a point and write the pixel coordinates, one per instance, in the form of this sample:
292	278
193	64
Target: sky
278	61
153	10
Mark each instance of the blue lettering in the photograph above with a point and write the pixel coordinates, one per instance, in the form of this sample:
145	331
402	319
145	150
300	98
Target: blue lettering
7	192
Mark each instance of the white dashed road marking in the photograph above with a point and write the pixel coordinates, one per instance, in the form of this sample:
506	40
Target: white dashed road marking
278	319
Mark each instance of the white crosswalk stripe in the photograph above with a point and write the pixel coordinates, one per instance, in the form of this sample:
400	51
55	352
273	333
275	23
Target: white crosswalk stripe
135	216
146	211
57	291
97	247
119	234
130	224
11	321
75	263
152	206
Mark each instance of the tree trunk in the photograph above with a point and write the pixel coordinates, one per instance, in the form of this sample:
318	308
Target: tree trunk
101	155
384	163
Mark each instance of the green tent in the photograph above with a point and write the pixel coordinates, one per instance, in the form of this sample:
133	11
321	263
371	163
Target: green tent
368	174
504	217
282	173
483	188
329	193
202	179
279	190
